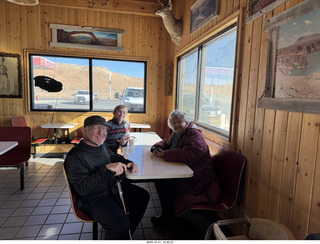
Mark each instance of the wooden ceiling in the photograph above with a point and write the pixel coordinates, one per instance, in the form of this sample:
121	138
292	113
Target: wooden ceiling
138	7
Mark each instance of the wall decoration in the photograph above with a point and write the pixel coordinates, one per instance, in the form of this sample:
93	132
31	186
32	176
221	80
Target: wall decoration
201	12
260	7
86	37
293	71
10	75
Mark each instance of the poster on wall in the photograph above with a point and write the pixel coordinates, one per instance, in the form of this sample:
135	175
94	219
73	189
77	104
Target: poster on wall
10	75
293	72
86	37
201	12
260	7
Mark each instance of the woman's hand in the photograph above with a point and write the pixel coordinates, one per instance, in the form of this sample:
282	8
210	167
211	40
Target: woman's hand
159	152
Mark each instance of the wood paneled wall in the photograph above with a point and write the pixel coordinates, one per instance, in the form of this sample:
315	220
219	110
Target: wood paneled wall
282	175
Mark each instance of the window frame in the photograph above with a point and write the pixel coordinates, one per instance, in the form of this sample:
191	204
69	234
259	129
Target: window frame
91	82
211	131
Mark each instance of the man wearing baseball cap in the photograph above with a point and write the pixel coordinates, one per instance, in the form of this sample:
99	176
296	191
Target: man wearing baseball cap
93	171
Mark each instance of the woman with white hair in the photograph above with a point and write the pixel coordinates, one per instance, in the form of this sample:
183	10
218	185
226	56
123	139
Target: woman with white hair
185	144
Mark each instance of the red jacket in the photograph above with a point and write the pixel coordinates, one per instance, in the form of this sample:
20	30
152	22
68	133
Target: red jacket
192	150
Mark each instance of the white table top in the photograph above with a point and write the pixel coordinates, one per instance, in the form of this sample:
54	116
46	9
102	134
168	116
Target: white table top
5	146
142	126
151	166
59	125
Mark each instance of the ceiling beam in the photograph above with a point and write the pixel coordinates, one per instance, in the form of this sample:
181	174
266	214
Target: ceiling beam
137	7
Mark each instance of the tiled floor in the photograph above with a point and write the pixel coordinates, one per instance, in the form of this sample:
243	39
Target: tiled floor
43	211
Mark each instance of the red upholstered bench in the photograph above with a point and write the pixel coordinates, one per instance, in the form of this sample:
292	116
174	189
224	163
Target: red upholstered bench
17	156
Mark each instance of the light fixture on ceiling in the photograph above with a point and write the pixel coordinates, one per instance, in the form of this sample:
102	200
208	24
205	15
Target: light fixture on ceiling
25	2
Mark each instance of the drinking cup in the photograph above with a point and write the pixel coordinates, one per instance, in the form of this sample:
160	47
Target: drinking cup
132	140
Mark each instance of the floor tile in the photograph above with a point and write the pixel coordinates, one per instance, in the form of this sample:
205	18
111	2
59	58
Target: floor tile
71	228
56	219
42	210
36	220
50	230
8	233
28	231
14	221
23	211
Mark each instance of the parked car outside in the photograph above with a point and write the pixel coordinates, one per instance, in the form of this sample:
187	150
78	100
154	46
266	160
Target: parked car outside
133	98
82	97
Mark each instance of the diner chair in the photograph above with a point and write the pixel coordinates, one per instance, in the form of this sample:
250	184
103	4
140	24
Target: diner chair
78	138
17	156
20	121
254	229
166	130
81	216
229	167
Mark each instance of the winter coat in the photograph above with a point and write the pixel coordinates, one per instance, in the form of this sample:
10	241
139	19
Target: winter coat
203	187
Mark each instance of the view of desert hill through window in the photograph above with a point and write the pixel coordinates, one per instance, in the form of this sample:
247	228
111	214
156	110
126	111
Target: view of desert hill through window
76	77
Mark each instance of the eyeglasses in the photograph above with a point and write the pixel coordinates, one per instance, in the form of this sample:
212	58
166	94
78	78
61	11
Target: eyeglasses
99	128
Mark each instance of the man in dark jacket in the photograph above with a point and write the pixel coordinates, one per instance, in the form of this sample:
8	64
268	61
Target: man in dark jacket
93	171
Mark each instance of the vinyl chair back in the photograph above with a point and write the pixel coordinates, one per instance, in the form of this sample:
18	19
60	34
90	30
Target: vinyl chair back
166	130
78	138
20	154
229	167
20	121
76	211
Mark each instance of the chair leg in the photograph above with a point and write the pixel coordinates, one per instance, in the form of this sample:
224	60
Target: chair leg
95	230
21	176
34	152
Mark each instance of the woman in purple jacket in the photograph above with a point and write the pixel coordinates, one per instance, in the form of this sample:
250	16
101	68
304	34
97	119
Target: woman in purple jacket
185	144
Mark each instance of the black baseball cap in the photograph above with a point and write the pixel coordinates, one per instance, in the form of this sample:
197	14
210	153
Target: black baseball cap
94	120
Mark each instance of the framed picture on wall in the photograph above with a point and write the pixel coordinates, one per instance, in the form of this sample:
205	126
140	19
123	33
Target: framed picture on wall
201	12
10	75
259	7
86	37
293	71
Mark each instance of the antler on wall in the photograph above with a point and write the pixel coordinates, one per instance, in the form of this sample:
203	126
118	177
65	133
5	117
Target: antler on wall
173	26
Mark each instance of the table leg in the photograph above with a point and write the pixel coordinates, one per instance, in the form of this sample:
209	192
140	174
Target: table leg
68	138
55	135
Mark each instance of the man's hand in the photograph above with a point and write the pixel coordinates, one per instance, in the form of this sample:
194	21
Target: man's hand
123	141
117	167
133	167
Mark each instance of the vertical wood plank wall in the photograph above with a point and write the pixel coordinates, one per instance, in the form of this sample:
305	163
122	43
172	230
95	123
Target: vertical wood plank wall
282	176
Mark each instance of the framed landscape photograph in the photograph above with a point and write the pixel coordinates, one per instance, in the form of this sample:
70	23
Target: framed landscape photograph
260	7
201	12
86	37
293	71
10	75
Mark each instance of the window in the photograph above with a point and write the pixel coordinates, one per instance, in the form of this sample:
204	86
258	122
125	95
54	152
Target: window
86	84
205	82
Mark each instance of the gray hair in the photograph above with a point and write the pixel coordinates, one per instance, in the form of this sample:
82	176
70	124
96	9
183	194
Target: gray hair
177	114
121	106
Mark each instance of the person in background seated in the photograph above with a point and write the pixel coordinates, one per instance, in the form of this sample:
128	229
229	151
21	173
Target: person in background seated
118	129
185	144
93	171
